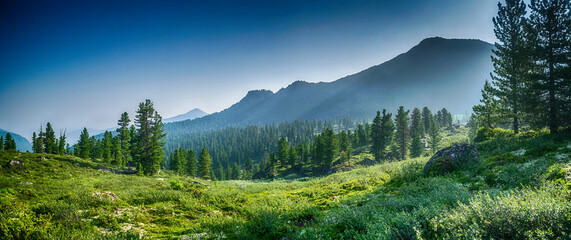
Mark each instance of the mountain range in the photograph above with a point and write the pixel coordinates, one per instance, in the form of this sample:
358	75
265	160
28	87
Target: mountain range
435	73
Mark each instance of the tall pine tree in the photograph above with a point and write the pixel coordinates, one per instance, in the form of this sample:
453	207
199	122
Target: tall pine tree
204	162
509	59
402	136
550	24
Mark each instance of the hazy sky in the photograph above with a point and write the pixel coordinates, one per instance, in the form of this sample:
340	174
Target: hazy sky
83	63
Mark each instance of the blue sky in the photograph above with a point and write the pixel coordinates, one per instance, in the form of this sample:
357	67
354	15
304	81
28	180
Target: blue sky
83	63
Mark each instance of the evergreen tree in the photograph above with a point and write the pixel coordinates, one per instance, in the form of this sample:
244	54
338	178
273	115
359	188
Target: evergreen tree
9	143
487	112
292	156
426	119
204	162
361	135
84	144
150	138
509	61
61	144
34	142
236	171
50	139
106	145
376	136
124	138
40	141
191	161
416	129
402	136
550	22
331	148
345	145
2	142
435	137
282	150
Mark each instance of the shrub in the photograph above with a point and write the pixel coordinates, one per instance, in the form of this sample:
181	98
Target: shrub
522	214
176	185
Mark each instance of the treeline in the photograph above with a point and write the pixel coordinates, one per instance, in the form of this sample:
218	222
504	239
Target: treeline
46	142
140	145
531	82
237	144
388	139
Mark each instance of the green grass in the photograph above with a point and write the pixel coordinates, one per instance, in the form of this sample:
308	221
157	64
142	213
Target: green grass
520	189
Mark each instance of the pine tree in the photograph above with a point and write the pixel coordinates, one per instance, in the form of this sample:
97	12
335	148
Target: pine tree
487	112
435	137
292	156
282	150
345	145
402	136
124	138
204	162
331	148
191	163
426	119
416	130
106	145
61	143
34	142
150	138
236	171
509	61
1	143
84	144
376	136
9	143
550	23
50	139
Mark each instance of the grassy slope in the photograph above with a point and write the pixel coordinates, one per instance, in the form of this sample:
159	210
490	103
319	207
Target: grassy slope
504	196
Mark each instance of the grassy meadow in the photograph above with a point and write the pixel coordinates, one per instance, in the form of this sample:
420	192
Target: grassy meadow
520	189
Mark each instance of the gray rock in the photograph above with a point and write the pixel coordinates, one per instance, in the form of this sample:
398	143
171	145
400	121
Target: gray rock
450	158
15	164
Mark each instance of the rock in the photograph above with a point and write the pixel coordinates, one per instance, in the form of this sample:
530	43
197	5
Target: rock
450	158
26	183
160	179
367	162
106	195
15	164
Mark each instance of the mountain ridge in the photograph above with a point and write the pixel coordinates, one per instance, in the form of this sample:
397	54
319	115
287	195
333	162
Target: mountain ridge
437	73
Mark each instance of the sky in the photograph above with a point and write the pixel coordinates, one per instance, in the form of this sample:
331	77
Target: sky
81	64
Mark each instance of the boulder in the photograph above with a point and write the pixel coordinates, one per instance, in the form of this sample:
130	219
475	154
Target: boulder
451	158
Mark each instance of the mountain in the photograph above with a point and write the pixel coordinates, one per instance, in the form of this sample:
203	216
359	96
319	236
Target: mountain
22	143
435	73
192	114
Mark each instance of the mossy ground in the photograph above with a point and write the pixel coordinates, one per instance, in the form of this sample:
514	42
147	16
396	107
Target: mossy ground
520	188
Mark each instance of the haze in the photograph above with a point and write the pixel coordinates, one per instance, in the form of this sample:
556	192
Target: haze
81	64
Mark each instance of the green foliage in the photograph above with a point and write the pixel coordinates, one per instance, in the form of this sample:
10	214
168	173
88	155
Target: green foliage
204	162
402	135
523	214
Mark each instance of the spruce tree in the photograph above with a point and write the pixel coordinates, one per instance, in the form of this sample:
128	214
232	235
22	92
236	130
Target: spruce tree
34	142
426	119
204	162
84	144
282	150
509	61
487	112
331	150
9	143
435	137
1	143
61	143
191	163
416	130
50	139
550	23
106	145
376	136
150	138
124	138
402	136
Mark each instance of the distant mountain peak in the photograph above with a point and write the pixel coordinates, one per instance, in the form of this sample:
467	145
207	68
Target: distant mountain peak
192	114
257	94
